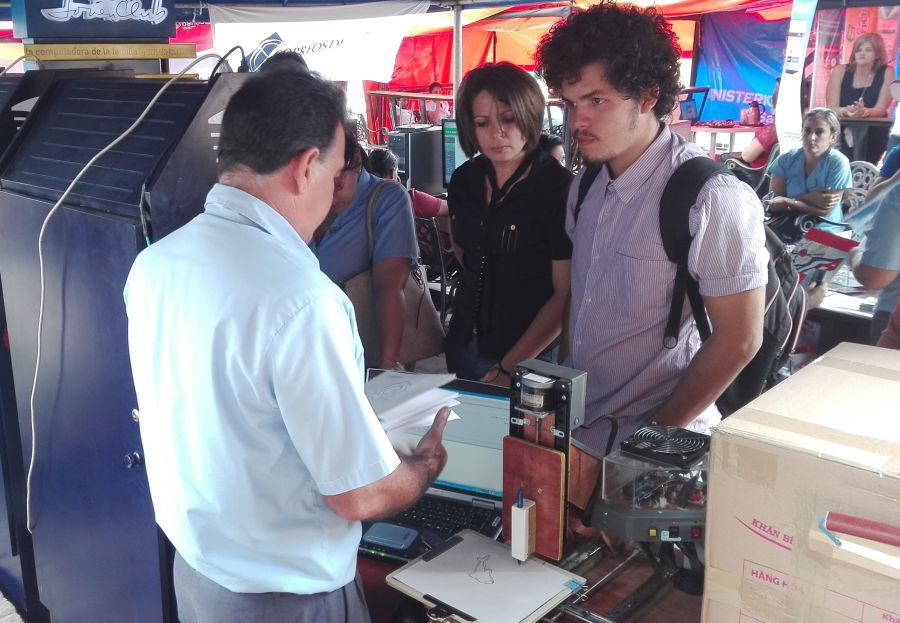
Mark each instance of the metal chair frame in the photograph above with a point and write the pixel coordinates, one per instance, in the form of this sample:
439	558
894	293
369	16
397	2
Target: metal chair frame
439	264
762	185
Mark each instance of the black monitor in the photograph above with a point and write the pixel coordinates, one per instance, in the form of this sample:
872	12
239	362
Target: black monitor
453	155
418	152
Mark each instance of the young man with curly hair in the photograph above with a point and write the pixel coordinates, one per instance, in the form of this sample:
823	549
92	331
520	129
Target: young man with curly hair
616	68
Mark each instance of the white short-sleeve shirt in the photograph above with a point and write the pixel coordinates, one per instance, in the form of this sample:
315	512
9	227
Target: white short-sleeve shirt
249	378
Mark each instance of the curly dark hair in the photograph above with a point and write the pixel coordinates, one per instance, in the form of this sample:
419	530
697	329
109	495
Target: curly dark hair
636	46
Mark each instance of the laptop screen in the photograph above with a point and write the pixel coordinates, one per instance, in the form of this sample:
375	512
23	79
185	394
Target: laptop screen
688	110
474	442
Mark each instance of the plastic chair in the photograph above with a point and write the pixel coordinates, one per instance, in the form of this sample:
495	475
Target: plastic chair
863	176
440	264
746	172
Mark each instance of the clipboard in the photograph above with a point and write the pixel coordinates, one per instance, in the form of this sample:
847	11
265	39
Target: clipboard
475	578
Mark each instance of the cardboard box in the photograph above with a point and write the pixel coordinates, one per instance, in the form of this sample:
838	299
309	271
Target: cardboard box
825	440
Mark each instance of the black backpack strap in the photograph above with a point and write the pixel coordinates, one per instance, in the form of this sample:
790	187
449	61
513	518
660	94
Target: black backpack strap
591	172
679	196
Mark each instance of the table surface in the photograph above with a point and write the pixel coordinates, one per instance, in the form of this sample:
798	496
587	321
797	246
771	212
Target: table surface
885	121
736	129
850	304
387	605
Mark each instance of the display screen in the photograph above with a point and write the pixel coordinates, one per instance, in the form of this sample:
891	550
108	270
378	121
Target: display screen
454	156
688	110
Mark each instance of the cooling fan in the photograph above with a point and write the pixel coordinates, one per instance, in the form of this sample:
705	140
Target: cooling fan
668	445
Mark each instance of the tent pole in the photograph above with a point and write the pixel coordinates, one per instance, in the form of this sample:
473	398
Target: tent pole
457	48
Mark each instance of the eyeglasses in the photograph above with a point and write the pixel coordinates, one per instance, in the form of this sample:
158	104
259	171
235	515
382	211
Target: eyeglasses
348	168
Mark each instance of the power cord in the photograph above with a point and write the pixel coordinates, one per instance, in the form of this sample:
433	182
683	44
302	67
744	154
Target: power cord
43	231
21	58
243	67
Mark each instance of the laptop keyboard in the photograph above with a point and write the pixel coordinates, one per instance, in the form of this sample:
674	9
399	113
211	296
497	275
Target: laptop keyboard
446	518
435	519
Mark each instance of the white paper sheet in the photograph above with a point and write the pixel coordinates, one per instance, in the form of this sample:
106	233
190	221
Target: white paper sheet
480	577
402	400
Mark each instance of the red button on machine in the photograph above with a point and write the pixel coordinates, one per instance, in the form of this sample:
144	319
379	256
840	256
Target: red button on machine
696	532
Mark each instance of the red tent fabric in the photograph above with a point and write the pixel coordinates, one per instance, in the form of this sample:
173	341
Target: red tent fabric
513	34
200	34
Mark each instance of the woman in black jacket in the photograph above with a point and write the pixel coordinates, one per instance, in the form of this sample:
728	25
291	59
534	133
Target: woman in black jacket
507	209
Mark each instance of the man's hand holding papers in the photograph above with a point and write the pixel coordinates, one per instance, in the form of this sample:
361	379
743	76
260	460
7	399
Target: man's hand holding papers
403	401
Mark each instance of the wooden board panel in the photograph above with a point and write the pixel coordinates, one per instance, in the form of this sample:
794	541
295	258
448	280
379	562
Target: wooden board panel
540	473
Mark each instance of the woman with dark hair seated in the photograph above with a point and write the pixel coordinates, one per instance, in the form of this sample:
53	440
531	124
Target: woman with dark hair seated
812	179
554	146
507	211
436	110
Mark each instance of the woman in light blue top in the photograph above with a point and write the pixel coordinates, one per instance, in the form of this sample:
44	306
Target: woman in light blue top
813	179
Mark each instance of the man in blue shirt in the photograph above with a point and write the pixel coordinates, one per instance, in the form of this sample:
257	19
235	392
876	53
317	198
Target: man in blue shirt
891	163
341	244
877	266
262	451
887	176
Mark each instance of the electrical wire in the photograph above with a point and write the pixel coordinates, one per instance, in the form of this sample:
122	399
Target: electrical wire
43	231
21	58
244	67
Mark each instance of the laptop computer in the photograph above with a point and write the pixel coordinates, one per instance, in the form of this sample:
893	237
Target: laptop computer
468	493
688	110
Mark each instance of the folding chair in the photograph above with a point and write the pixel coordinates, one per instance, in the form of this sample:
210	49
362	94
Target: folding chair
440	265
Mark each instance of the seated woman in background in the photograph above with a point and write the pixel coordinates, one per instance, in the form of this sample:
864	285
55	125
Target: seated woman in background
861	89
507	211
756	154
383	163
812	179
435	110
554	146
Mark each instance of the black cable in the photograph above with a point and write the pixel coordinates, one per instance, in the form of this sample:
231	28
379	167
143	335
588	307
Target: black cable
588	514
243	68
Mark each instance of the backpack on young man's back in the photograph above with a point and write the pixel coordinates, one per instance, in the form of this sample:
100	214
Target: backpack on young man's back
785	306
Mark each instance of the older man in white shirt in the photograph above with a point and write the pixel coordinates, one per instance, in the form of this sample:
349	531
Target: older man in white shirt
262	451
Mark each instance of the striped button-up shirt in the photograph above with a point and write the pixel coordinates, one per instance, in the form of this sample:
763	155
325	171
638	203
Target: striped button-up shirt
622	281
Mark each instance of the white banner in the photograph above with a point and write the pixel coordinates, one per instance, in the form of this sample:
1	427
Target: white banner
788	116
348	42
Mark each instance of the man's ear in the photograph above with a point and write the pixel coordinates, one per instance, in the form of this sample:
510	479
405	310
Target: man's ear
648	99
301	167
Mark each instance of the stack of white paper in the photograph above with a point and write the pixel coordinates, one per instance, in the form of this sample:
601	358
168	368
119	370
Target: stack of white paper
402	400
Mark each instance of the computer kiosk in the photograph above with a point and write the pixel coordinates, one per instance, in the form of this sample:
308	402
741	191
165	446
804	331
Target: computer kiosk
18	95
96	544
418	150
